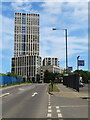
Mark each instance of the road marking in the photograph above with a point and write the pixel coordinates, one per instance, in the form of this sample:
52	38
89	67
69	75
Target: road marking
49	110
58	110
57	107
34	94
49	115
4	94
49	107
20	89
76	106
59	115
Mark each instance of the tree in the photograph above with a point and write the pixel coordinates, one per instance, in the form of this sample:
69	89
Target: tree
54	77
46	76
84	74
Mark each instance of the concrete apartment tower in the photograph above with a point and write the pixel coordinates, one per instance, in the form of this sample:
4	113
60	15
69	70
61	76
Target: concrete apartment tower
26	61
50	61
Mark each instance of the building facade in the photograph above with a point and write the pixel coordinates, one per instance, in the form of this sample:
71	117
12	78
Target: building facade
26	60
50	61
50	68
26	34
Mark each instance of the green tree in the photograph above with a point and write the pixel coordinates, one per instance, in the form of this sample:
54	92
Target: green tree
84	74
54	77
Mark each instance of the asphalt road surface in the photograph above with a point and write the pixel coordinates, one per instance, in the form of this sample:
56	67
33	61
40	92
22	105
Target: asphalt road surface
33	101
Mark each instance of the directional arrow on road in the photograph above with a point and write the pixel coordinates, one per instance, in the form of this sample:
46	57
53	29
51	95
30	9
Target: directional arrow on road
34	94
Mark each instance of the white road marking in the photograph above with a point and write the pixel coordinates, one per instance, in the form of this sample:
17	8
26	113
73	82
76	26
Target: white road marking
49	110
49	107
57	107
59	115
49	115
20	89
34	94
76	106
4	94
58	111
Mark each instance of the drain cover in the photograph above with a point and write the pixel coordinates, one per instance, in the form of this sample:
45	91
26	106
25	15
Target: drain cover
85	97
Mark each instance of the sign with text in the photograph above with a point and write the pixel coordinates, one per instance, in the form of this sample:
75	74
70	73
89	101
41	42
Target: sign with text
70	68
80	62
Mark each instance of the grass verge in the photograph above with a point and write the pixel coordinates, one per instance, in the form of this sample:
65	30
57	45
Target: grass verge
13	85
54	89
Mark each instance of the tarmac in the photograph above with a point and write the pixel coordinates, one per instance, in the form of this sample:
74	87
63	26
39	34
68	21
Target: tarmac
71	93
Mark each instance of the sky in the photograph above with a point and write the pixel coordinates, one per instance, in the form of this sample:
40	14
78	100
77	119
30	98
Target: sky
72	16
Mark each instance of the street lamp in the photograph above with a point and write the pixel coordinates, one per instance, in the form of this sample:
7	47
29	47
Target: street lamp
77	62
66	46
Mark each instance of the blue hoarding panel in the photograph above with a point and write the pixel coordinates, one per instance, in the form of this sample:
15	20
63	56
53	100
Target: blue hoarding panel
6	80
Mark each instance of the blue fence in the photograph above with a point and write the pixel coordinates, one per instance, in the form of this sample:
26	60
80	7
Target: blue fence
5	80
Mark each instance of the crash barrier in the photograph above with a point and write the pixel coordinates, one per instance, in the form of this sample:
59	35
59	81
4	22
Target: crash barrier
71	81
6	80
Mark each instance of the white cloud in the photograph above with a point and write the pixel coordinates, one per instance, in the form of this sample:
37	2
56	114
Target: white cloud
67	1
74	17
45	1
54	46
51	7
7	33
21	6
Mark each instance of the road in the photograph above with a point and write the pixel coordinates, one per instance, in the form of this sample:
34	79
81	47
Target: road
33	101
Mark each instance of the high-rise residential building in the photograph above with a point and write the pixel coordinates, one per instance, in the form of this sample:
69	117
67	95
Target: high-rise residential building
26	34
26	60
50	61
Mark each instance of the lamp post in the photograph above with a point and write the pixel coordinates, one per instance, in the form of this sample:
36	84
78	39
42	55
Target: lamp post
66	46
77	62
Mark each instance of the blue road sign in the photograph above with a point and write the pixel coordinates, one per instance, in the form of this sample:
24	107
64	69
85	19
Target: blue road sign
70	68
80	62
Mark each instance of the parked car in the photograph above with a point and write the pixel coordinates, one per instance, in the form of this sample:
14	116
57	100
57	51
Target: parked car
88	81
81	84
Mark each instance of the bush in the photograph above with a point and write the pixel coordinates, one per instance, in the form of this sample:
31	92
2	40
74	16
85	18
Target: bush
3	74
13	75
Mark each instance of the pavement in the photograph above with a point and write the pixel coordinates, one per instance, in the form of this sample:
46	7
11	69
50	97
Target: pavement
71	93
70	102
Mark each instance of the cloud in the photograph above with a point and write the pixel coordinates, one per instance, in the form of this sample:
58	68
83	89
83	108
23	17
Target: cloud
72	16
7	33
21	6
55	46
45	1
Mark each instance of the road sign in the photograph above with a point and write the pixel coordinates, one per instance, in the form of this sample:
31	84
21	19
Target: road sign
70	68
80	62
